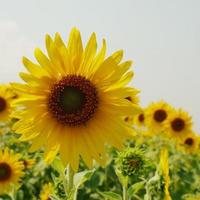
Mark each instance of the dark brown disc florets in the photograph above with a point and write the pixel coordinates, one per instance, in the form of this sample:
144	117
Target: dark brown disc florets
160	115
73	100
178	124
2	104
189	141
5	171
141	117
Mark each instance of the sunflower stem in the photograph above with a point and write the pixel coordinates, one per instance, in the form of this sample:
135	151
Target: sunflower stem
70	180
125	197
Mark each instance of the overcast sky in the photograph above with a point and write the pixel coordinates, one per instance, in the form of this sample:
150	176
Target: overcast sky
161	36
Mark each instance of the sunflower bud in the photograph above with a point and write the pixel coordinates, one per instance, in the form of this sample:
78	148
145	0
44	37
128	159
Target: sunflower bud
131	161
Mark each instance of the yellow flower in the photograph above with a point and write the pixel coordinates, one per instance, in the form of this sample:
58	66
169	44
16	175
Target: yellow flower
139	120
189	144
28	162
6	100
47	190
178	125
135	100
11	170
14	94
156	114
164	168
75	100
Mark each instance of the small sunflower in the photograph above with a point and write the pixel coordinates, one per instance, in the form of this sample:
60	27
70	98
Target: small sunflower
190	144
178	125
28	162
75	100
46	191
6	100
156	114
139	119
11	170
164	170
135	100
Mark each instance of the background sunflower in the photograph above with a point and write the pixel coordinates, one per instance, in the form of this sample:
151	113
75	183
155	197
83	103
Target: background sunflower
11	170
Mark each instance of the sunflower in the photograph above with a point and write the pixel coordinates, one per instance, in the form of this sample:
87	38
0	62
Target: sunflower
139	119
6	100
164	170
28	162
74	100
11	170
189	144
156	114
46	191
135	100
178	125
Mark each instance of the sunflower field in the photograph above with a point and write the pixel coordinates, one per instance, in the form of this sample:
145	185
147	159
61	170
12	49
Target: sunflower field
74	130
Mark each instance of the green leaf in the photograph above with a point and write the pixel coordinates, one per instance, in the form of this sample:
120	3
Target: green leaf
58	166
54	197
81	177
72	195
111	195
123	179
134	189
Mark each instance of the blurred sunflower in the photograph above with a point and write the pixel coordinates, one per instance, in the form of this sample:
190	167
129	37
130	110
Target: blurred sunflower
156	114
139	119
135	100
6	100
164	170
189	144
11	170
46	191
178	125
75	100
28	162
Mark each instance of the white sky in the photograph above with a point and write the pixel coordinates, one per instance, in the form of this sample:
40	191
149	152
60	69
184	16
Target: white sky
161	36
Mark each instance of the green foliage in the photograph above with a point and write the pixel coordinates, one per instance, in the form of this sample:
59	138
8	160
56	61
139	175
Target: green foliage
131	173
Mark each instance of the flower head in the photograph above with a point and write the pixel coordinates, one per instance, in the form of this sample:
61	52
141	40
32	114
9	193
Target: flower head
74	100
178	125
6	102
131	161
189	144
28	162
156	114
139	119
46	191
11	170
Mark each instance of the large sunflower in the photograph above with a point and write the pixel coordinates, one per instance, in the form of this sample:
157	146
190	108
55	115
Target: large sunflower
190	144
156	114
75	99
11	170
6	100
178	125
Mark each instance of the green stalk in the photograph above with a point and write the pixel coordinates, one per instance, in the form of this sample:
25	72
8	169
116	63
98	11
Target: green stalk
125	197
70	179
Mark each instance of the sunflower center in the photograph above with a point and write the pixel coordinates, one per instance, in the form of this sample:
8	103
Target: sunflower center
129	98
73	100
160	115
178	124
2	104
189	141
141	117
5	171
